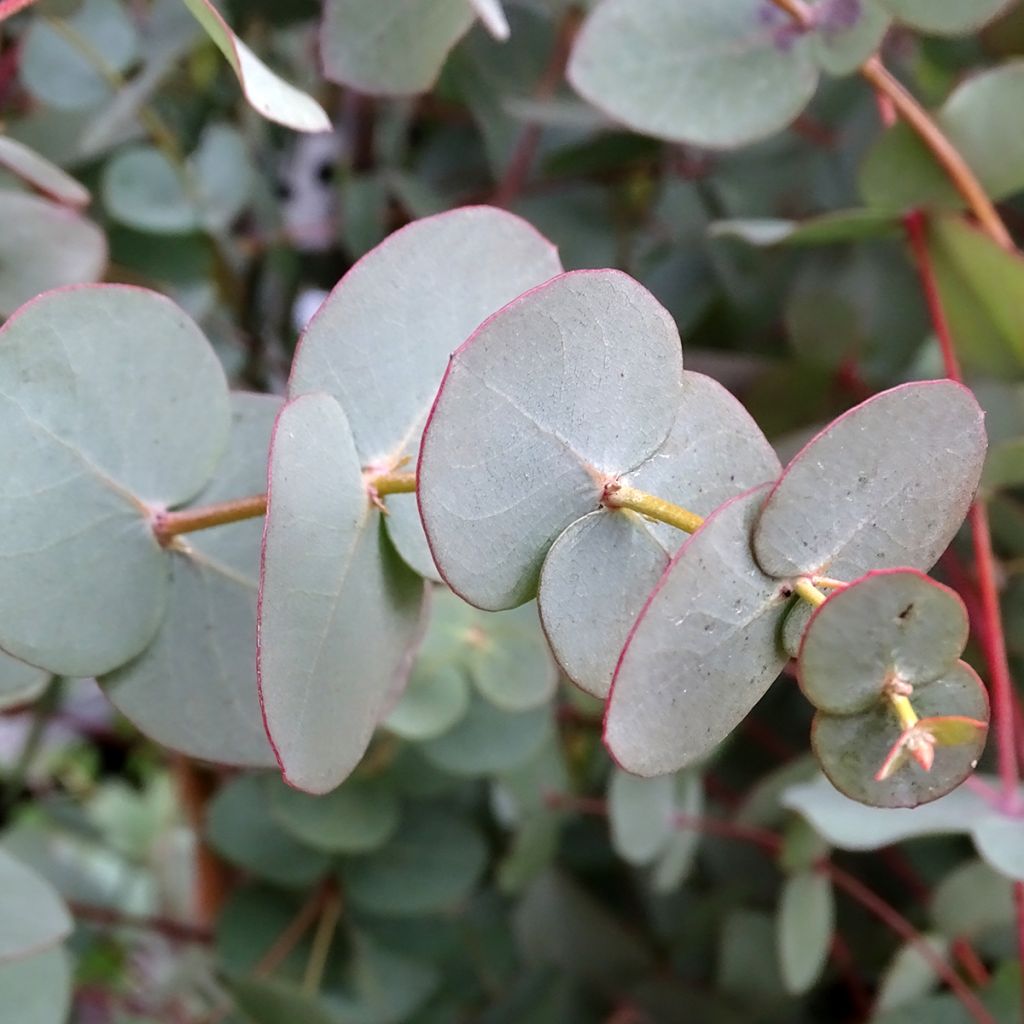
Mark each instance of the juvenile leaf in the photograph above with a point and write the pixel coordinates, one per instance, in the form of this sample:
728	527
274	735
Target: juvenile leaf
702	652
844	40
909	976
717	73
145	190
338	613
487	740
391	47
999	839
55	65
41	174
44	246
436	698
804	924
431	864
835	227
385	370
972	900
239	826
946	17
852	748
268	94
37	989
390	987
568	386
889	482
33	914
854	826
890	623
103	431
641	815
360	815
598	573
194	687
677	858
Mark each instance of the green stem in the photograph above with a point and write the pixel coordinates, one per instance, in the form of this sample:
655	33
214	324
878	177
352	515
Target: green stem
621	496
322	939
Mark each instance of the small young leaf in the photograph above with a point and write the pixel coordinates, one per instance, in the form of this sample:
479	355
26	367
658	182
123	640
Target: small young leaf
359	816
972	900
909	976
717	73
804	924
702	652
432	863
677	858
34	915
103	432
845	39
338	612
889	482
641	815
391	47
946	17
853	748
890	623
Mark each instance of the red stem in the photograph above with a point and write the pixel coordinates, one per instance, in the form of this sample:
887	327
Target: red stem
771	844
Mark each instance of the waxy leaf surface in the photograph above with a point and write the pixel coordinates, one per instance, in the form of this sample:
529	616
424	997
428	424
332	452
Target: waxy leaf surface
37	989
890	623
41	174
194	687
946	17
888	483
381	341
804	924
19	682
34	916
103	429
600	570
339	613
716	73
703	651
641	815
572	384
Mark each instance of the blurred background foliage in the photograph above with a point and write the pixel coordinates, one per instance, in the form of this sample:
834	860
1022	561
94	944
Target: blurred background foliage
486	863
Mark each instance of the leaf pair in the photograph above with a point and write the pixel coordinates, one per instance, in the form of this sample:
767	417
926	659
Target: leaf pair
893	632
342	600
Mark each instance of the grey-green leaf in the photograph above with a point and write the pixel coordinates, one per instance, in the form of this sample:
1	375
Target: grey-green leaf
338	612
104	432
641	815
390	47
37	989
888	483
598	573
431	864
703	651
19	682
890	623
946	17
194	687
804	924
568	387
41	174
716	73
33	914
999	839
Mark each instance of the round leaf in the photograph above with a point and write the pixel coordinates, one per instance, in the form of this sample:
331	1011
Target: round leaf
716	73
889	482
893	623
598	573
431	864
194	687
804	925
20	683
60	72
641	815
702	652
999	839
435	699
338	612
390	47
44	246
360	815
852	748
240	827
271	96
487	740
102	430
842	47
567	387
34	916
